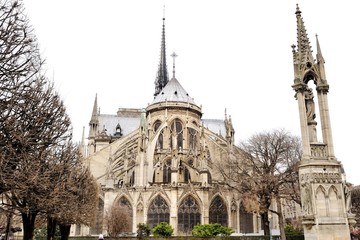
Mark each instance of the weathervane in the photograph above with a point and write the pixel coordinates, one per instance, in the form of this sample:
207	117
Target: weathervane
173	55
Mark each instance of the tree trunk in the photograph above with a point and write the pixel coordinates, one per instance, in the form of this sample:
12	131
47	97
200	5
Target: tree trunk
266	224
28	225
281	219
8	225
51	228
64	231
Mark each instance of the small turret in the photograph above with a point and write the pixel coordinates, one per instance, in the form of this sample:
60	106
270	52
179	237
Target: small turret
94	121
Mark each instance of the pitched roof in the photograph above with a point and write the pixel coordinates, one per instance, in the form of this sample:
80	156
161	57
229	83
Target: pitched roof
173	92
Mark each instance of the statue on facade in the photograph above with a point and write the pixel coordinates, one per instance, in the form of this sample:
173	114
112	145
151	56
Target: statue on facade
309	104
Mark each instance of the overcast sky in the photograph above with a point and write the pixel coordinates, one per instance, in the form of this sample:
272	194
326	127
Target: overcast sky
231	54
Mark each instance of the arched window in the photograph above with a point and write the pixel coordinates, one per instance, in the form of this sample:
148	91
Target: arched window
176	136
167	171
218	212
246	220
160	140
189	215
192	138
158	212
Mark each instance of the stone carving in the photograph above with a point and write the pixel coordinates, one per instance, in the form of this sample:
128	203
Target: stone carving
318	150
306	199
320	177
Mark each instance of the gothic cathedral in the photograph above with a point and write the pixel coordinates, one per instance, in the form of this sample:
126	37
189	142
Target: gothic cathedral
159	162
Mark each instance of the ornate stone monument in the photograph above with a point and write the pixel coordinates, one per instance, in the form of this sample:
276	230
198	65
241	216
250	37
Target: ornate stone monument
325	196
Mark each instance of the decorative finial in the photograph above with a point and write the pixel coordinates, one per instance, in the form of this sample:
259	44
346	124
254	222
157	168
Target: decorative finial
298	12
164	13
173	55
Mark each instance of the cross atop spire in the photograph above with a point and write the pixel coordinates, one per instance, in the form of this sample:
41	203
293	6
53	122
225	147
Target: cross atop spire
173	55
162	77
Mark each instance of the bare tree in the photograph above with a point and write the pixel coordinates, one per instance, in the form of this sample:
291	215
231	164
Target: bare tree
118	220
74	191
20	66
40	126
34	127
266	173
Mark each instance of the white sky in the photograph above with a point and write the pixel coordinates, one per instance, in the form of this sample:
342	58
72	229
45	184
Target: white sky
232	54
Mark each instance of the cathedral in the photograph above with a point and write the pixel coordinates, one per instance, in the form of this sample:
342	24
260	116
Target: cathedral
159	162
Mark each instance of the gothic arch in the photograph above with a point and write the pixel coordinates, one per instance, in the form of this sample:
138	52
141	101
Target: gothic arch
309	75
158	211
126	205
189	214
218	211
177	134
320	201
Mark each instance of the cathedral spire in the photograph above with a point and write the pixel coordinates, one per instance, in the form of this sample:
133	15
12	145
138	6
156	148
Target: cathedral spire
304	54
162	77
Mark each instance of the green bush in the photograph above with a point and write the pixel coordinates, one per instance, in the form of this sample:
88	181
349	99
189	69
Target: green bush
211	230
163	229
291	231
143	230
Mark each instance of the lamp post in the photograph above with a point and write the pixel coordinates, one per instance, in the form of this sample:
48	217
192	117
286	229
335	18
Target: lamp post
270	225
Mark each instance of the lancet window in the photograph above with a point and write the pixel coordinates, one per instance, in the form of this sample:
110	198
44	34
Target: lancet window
176	136
218	212
192	138
167	171
188	215
159	211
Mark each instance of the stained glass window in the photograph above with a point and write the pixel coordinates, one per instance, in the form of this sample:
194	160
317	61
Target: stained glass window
218	212
188	215
158	212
